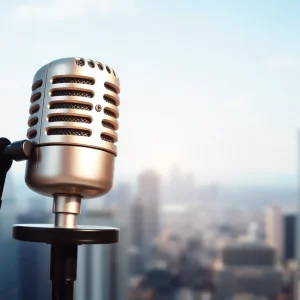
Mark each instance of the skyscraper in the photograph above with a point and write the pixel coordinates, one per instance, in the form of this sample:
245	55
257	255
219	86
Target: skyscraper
249	268
274	229
102	272
149	195
34	262
9	283
136	238
289	236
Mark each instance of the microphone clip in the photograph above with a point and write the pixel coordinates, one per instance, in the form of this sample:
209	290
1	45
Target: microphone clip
9	152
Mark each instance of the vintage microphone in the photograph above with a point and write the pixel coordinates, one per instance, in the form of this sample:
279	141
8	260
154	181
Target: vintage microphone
72	136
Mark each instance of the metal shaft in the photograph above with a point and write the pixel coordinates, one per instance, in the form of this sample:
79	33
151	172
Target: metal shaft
63	271
64	257
66	209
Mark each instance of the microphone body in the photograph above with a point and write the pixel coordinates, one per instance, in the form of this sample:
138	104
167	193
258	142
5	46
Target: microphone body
72	125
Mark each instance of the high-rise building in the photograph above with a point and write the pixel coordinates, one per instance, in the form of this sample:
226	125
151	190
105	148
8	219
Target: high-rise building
34	262
149	195
289	236
102	269
249	269
9	283
274	229
136	238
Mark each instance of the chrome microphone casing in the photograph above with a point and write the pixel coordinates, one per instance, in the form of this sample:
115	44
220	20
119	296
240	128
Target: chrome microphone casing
73	124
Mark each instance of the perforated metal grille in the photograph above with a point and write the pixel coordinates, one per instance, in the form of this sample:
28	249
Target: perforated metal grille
34	109
70	119
35	97
36	85
91	64
110	88
79	62
33	122
71	93
108	125
100	66
109	113
73	80
68	131
110	100
70	105
31	134
107	138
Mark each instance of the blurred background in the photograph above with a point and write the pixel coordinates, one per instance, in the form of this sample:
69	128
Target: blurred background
206	180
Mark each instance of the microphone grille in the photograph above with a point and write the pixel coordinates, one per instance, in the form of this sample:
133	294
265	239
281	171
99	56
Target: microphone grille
75	101
74	93
73	80
70	105
68	131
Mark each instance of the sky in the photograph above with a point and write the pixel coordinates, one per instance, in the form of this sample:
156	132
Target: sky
212	86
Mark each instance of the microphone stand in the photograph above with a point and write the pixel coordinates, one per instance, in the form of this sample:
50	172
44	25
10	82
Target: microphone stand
64	235
64	243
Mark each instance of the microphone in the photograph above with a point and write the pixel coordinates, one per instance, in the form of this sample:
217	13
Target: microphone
72	125
71	155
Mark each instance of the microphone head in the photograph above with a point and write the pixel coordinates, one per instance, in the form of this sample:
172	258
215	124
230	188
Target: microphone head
73	124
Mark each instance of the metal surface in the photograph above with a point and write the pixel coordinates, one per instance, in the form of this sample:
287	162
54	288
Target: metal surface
66	204
106	86
65	220
27	148
66	209
72	170
65	94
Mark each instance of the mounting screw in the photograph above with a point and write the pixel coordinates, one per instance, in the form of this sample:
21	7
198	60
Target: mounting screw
98	107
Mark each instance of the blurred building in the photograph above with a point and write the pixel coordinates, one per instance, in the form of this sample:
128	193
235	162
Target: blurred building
9	283
291	270
274	229
181	187
289	239
161	282
157	284
119	199
136	238
102	269
248	268
34	261
149	196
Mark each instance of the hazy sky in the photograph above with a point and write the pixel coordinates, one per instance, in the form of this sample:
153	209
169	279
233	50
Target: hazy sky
211	85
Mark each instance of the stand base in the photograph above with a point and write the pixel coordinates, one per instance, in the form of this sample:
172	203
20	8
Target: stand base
46	233
64	243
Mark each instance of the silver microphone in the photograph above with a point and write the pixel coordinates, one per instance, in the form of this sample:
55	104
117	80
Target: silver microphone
72	125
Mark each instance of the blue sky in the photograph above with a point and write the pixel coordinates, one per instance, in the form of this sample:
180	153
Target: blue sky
210	85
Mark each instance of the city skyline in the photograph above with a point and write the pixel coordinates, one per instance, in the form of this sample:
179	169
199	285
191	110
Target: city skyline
177	188
210	85
185	254
206	180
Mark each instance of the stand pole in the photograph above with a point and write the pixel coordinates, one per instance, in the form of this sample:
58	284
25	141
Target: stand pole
63	271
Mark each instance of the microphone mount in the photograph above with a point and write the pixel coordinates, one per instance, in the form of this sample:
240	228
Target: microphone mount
9	152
